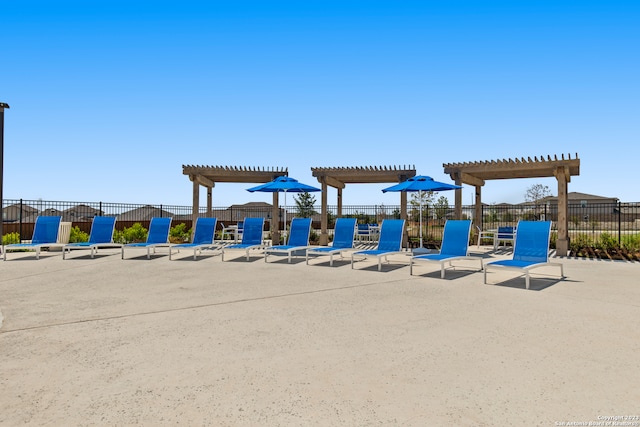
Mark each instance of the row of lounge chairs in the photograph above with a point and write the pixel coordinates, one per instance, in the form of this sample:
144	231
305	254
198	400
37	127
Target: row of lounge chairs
531	246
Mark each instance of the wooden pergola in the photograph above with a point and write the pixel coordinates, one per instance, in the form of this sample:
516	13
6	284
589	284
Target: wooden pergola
477	173
207	176
338	177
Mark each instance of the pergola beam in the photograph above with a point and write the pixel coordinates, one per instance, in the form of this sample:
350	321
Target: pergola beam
205	182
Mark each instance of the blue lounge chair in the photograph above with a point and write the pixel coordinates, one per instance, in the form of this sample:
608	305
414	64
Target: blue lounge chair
504	235
251	237
100	236
531	250
45	235
390	242
455	246
342	240
203	238
157	237
298	240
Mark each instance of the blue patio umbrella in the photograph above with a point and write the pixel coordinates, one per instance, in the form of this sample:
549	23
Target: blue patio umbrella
421	183
285	185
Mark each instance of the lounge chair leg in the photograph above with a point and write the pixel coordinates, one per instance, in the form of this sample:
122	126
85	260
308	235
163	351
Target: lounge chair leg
442	271
411	267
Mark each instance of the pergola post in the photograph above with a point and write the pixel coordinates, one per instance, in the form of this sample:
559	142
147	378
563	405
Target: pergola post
324	220
196	201
477	215
563	240
458	197
275	220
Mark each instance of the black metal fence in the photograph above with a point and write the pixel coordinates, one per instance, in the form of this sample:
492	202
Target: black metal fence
618	221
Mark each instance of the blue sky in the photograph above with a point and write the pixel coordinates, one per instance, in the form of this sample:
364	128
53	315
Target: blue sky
110	98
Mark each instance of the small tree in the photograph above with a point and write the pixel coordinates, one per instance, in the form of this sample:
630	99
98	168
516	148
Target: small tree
424	198
535	194
304	204
441	207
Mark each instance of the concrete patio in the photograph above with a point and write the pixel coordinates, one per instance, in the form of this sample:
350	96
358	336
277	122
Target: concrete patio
107	341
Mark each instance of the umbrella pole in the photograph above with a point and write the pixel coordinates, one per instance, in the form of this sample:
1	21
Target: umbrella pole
420	195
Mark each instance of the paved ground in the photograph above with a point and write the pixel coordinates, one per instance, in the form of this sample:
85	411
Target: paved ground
234	343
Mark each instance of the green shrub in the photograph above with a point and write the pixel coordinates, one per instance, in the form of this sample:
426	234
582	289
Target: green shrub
179	233
314	236
134	234
606	242
631	242
579	242
78	235
11	238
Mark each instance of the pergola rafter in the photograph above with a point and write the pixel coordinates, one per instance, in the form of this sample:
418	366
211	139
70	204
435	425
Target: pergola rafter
477	173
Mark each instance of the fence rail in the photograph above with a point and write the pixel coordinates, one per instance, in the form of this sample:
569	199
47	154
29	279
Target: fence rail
587	221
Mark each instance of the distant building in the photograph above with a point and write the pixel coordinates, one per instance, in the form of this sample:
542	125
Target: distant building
249	210
144	213
12	213
582	206
80	213
46	212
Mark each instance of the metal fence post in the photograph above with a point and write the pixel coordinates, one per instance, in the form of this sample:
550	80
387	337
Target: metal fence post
619	223
20	216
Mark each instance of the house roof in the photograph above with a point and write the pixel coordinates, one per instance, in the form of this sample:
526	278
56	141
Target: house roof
574	195
25	208
251	205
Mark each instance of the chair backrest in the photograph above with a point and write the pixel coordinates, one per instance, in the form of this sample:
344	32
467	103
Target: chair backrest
205	231
102	229
252	231
455	238
300	231
344	232
363	229
532	241
46	229
159	230
505	232
391	235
